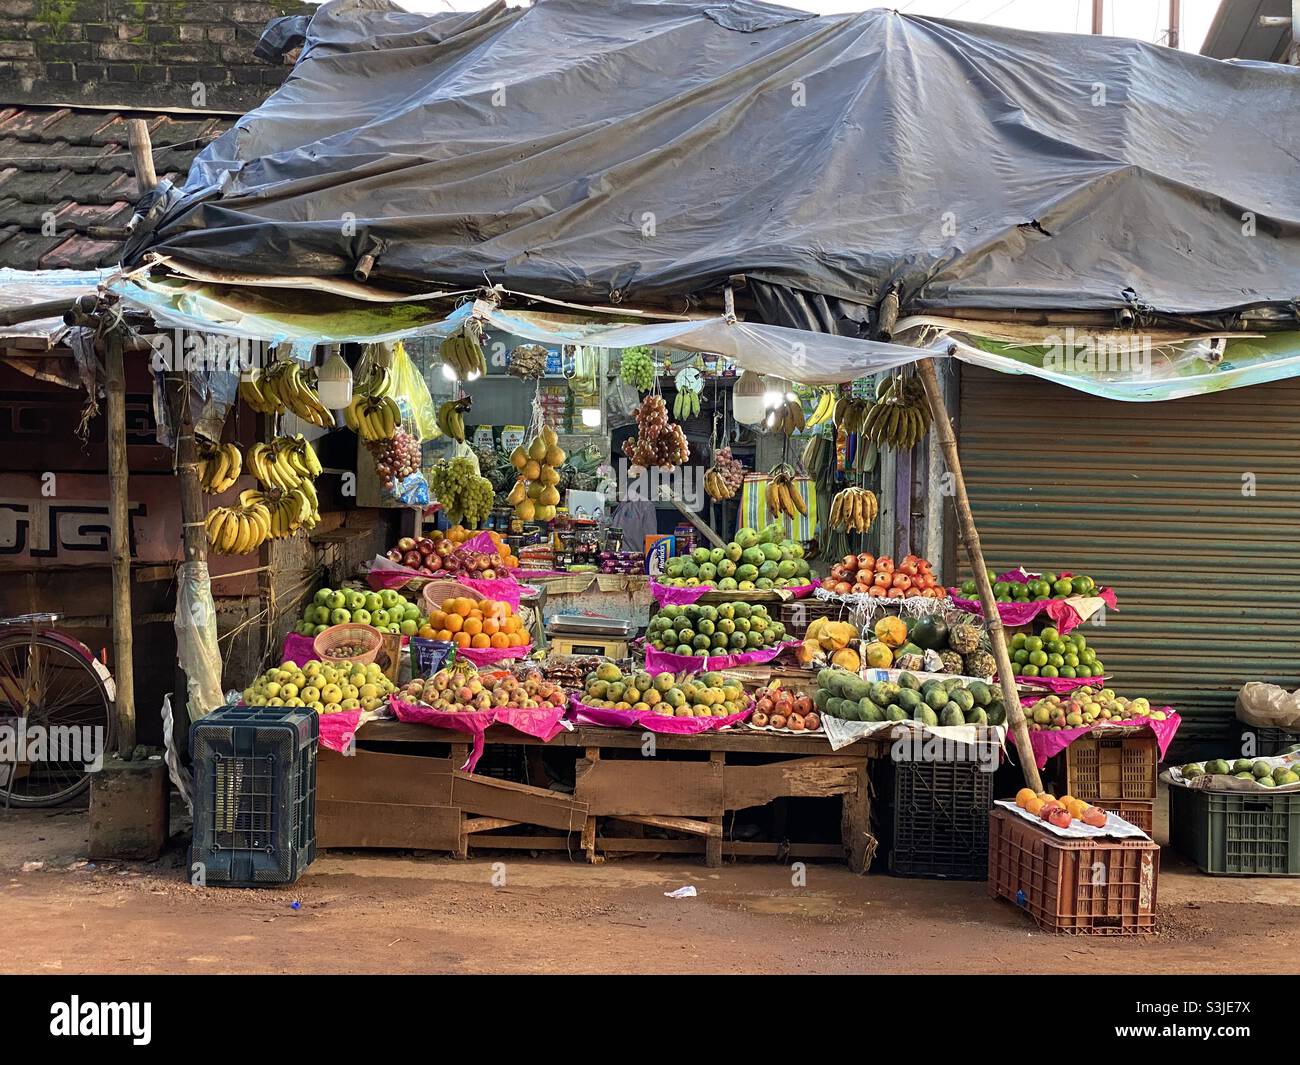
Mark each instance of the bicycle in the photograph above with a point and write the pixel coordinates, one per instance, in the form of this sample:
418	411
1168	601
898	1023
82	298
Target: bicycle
52	688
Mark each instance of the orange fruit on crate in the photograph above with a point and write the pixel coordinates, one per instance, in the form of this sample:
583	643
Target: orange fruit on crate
1023	796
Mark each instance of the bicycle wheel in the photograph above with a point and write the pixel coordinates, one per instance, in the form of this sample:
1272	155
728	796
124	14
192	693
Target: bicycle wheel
46	681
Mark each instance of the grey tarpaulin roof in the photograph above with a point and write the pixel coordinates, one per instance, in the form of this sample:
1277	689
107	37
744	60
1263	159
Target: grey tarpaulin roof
650	149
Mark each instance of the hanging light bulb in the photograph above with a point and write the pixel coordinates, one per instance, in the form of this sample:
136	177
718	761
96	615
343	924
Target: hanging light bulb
747	404
334	381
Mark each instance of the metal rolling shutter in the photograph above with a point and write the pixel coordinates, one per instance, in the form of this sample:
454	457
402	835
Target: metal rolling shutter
1147	497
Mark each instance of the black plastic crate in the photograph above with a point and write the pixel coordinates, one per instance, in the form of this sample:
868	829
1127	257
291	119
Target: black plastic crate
940	819
1234	833
254	794
1268	739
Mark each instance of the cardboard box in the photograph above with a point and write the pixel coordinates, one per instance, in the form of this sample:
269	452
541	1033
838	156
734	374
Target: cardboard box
659	548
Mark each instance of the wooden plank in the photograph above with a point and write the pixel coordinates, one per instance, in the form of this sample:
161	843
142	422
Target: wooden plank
708	829
488	797
651	786
522	843
368	776
342	823
855	824
744	786
485	824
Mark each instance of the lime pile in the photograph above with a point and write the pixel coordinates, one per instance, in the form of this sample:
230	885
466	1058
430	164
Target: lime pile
1049	654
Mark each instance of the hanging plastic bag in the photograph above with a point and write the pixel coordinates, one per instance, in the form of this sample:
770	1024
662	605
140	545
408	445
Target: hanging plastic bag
412	395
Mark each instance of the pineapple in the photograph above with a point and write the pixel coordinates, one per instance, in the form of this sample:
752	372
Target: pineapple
964	639
980	664
952	662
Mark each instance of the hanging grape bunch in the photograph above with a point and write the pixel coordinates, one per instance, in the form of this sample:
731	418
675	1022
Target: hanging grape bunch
396	458
637	369
659	442
466	497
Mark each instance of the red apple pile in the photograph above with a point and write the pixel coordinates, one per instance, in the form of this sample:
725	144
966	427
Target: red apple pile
437	556
778	707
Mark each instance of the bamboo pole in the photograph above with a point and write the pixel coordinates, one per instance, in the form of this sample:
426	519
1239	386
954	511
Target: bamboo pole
975	554
119	524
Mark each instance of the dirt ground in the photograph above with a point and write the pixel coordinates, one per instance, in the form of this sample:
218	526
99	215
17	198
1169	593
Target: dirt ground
386	912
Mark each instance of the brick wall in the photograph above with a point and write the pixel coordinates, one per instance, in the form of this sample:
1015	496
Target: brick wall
139	53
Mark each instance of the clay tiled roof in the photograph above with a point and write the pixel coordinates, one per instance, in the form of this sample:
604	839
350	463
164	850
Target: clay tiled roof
67	187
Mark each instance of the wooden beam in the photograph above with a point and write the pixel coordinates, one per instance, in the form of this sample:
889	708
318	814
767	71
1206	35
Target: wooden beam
975	554
675	824
119	524
137	131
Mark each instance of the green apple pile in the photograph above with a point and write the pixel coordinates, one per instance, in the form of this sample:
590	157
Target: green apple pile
1087	706
729	629
388	611
325	688
1049	654
752	561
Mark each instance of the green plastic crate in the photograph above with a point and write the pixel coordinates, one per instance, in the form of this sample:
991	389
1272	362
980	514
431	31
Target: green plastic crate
1236	834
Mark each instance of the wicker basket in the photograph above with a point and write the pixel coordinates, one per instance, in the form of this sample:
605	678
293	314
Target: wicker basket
351	632
435	592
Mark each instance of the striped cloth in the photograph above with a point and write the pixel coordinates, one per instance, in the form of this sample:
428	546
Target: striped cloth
753	506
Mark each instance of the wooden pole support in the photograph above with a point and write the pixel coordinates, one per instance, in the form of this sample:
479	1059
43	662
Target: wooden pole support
119	524
137	131
975	553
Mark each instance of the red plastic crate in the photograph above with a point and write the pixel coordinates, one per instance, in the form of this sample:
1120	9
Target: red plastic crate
1101	887
1104	767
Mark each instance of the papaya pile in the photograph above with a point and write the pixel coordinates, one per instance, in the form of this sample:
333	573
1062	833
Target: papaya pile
830	639
846	695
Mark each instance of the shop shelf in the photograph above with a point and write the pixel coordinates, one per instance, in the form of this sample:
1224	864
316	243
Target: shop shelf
940	819
1094	886
254	794
1230	833
1102	767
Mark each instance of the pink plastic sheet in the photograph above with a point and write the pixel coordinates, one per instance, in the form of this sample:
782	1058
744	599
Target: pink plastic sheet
542	722
648	719
1063	615
1049	742
337	729
299	648
1060	685
674	595
490	656
667	662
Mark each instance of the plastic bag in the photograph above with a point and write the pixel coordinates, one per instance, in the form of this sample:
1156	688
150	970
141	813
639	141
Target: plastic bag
412	395
1268	705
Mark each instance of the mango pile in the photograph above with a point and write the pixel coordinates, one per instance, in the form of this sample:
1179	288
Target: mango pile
669	694
753	561
847	696
729	629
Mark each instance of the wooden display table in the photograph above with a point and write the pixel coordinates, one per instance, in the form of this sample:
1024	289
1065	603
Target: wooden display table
626	781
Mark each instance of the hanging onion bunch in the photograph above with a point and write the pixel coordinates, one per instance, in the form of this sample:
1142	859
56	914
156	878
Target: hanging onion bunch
723	479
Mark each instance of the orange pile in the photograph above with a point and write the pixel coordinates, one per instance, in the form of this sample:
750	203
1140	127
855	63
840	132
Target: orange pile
486	623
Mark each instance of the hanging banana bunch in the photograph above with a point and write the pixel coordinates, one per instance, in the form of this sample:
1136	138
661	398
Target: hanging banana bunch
219	466
854	510
373	419
849	413
900	417
284	387
788	418
451	421
239	529
378	382
285	463
782	496
824	410
462	352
